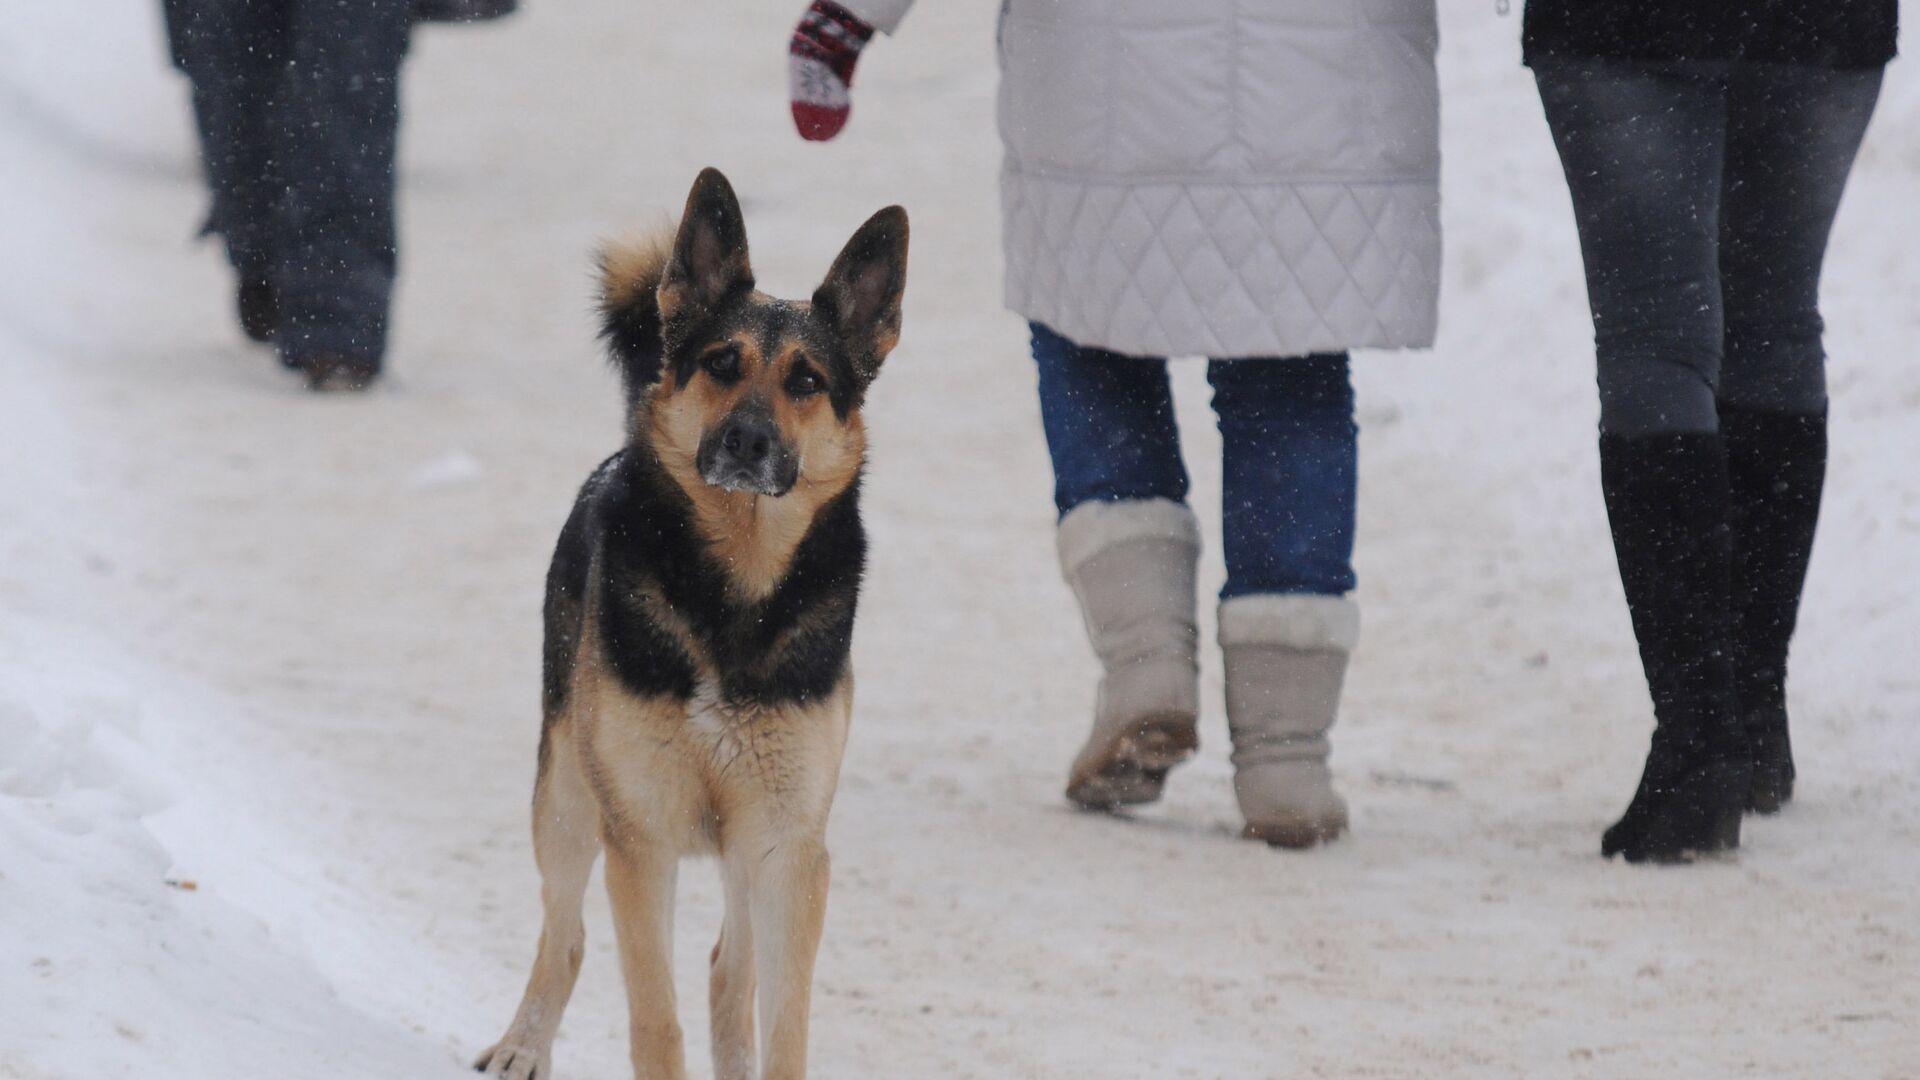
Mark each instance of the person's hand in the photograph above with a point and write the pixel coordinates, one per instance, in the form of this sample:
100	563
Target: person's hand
820	61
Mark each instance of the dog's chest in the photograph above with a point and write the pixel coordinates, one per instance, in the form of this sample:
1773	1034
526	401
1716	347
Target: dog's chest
709	722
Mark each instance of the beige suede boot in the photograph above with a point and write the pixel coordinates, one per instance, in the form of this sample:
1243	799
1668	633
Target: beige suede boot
1286	657
1131	565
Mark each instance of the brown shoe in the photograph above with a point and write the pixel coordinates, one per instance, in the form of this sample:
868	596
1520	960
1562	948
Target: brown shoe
330	372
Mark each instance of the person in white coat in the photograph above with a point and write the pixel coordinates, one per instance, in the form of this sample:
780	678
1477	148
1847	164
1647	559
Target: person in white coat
1254	182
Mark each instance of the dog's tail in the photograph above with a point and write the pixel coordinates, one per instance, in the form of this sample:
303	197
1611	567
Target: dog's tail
630	272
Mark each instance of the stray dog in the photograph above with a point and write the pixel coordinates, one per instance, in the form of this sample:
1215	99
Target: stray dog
699	613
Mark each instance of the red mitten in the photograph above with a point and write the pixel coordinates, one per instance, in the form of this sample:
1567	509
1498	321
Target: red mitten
820	61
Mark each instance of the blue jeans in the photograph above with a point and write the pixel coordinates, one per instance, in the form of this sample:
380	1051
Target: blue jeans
1290	455
1704	193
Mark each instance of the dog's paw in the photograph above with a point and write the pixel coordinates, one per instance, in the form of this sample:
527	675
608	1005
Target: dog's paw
509	1060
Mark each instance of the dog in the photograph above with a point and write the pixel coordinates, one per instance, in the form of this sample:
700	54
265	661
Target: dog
699	613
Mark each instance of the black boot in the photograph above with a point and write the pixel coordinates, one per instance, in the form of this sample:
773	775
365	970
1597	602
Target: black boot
259	305
1667	503
462	11
1776	468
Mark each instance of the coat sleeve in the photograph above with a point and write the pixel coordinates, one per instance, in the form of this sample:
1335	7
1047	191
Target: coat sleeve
882	15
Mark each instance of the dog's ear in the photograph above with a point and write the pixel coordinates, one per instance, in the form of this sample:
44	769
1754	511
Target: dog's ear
709	257
861	296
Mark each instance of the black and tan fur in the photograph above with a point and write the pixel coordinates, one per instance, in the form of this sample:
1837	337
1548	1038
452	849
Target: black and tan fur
699	614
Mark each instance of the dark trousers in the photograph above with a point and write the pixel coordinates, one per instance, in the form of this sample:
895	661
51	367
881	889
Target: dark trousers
298	108
1289	458
1704	193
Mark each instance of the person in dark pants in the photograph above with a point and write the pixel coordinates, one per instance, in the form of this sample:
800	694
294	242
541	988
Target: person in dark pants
297	103
1705	146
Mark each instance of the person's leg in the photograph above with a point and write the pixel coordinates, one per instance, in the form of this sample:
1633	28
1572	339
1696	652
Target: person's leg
1289	471
1642	148
1109	424
1289	456
1128	547
234	52
1793	133
335	139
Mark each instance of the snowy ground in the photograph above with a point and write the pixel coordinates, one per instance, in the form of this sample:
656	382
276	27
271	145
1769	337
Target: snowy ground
283	650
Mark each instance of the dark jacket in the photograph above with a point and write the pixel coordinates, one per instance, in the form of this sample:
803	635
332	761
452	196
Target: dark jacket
1816	33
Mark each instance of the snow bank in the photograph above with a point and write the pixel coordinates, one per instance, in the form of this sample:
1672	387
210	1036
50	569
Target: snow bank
120	957
149	926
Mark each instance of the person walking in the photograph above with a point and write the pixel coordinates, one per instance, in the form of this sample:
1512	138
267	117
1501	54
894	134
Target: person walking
1223	178
1705	146
297	106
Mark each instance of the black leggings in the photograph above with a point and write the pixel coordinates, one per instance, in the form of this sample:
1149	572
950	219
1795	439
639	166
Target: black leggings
1704	194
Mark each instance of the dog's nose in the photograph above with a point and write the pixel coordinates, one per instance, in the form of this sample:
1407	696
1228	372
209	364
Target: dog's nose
749	438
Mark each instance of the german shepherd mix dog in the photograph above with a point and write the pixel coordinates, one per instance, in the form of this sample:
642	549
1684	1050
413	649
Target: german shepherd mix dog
699	612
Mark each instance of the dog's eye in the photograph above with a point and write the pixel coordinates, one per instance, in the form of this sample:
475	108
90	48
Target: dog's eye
722	364
803	382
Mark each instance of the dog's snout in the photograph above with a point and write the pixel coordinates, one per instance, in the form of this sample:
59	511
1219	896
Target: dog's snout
748	439
747	452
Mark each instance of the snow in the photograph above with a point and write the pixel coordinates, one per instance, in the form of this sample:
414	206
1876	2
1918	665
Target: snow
284	650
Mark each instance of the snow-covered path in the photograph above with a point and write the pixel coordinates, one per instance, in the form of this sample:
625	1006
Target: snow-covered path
285	649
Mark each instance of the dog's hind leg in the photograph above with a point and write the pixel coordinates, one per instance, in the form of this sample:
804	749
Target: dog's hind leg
566	840
641	872
731	984
789	903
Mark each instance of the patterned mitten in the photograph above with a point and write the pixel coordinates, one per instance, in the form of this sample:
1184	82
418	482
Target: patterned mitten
820	61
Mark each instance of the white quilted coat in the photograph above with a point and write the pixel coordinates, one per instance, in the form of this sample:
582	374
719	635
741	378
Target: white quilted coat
1229	178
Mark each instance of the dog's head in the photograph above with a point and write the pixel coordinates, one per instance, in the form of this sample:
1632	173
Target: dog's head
756	395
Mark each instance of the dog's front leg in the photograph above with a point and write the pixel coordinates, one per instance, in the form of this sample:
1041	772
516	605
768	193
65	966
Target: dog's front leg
730	987
789	903
566	842
641	873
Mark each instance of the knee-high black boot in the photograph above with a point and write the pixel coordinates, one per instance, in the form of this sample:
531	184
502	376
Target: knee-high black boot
1667	502
1776	468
